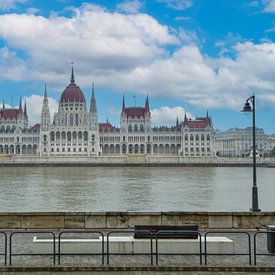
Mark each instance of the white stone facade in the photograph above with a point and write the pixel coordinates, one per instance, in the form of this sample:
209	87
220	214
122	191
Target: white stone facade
74	131
238	142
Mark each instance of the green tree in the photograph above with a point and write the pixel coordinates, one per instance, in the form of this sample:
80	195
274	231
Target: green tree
272	153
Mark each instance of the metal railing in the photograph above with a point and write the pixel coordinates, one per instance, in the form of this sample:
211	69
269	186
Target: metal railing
105	245
206	254
162	233
255	245
89	232
11	253
5	247
132	253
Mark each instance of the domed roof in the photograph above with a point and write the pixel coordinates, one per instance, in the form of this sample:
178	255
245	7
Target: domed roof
72	92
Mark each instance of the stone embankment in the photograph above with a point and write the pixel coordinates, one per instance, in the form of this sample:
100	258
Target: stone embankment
131	160
124	220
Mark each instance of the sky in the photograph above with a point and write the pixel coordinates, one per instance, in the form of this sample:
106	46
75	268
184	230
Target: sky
187	55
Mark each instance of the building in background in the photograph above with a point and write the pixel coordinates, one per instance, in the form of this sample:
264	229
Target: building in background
237	142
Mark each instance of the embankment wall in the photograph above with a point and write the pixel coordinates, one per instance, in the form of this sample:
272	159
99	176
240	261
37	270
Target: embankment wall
124	220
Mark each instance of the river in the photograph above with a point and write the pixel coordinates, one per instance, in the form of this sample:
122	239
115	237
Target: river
133	189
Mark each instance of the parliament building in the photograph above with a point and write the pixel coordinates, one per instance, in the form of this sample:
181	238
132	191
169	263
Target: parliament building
75	131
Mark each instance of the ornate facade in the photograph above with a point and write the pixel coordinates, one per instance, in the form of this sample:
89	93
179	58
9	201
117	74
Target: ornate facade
75	131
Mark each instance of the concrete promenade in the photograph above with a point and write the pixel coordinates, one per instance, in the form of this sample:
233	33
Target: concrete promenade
138	264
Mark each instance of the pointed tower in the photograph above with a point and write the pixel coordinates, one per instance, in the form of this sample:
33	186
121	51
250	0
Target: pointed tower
3	105
123	104
147	107
25	110
147	125
177	122
20	105
72	75
93	108
45	113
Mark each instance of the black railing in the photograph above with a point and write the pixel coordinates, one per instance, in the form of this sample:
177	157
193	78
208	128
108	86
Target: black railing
162	233
89	232
5	247
132	253
255	244
206	253
32	254
105	245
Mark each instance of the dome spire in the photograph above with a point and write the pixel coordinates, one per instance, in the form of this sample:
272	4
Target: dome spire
72	75
3	104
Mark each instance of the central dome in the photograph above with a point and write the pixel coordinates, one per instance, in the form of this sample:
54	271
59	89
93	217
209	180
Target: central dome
72	92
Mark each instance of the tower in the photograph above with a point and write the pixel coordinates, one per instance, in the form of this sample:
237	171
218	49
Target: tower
45	113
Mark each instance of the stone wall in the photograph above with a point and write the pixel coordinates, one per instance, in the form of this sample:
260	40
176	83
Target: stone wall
119	220
152	160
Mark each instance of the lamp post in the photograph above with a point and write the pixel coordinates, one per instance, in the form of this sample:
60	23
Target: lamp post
247	108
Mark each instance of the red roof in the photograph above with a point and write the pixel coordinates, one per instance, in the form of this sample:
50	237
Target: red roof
138	112
105	127
36	127
72	93
199	123
10	113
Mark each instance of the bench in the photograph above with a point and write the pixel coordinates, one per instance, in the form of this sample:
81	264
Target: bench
171	231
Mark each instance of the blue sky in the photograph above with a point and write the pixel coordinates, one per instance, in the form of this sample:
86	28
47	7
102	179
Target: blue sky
188	55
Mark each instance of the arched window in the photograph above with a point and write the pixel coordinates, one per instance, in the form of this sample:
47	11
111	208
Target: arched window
136	128
85	136
186	137
208	137
76	119
71	119
130	128
197	137
202	137
141	128
191	137
45	138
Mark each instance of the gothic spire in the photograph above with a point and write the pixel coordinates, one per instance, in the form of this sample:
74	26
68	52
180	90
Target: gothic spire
177	122
207	116
25	110
3	104
123	104
93	101
147	107
20	104
45	91
185	116
72	75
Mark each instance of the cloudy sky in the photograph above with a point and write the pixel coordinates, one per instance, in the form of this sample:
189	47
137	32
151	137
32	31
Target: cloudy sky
187	55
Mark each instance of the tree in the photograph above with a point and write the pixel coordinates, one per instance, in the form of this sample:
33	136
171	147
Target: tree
272	153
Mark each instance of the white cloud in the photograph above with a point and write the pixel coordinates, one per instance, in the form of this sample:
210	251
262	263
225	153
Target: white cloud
34	107
178	4
10	4
130	6
129	52
269	6
168	116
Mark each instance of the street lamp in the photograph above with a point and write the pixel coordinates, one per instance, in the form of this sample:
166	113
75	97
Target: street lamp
247	108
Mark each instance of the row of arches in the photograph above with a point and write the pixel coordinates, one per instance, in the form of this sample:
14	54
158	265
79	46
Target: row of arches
18	149
172	149
68	136
197	137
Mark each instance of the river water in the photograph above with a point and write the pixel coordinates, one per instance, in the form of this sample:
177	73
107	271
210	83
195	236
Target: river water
134	189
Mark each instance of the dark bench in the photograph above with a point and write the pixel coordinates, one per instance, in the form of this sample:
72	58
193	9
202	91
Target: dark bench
171	231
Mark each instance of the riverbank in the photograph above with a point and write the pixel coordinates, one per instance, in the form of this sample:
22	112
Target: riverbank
128	219
133	160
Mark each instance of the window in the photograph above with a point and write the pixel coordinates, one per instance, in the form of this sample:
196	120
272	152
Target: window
71	119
